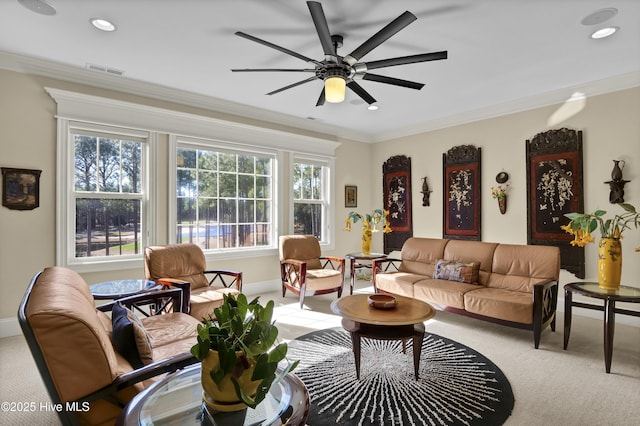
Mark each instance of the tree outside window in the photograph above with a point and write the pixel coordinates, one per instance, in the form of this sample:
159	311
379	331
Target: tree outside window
309	205
224	199
108	195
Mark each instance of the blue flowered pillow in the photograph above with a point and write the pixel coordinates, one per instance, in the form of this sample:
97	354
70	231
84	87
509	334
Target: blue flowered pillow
460	272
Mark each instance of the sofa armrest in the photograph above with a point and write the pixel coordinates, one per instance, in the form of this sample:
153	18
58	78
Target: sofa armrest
545	301
161	300
384	265
226	277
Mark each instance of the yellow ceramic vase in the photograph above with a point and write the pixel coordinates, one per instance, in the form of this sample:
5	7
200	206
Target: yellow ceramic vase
366	240
609	263
224	398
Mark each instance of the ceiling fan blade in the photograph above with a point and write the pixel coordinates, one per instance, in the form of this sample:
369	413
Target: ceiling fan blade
378	38
358	90
393	81
293	85
320	21
403	60
272	69
321	99
275	46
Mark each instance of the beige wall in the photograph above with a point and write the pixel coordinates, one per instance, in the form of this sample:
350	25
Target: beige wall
28	140
611	130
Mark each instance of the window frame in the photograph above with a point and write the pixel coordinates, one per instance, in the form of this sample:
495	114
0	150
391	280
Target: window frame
67	196
163	124
176	142
328	195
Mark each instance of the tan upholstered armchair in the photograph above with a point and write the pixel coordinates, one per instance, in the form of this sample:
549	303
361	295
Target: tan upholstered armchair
184	266
74	344
305	271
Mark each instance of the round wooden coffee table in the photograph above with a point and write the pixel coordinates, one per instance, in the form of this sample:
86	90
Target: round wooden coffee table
404	321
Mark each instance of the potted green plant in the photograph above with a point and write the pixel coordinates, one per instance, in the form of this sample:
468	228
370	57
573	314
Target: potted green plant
239	359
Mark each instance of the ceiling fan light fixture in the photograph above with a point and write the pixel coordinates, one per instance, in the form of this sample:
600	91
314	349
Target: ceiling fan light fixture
335	87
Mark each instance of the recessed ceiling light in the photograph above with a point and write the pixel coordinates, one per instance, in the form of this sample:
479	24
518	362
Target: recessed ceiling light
102	24
372	107
38	6
604	32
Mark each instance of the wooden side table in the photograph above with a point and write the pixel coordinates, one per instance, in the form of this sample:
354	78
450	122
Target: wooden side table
610	297
355	265
401	323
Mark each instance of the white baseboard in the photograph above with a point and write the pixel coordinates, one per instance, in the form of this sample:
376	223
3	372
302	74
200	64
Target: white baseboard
9	327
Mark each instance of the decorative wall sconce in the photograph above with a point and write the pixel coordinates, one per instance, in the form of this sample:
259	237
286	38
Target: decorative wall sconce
616	184
425	192
499	192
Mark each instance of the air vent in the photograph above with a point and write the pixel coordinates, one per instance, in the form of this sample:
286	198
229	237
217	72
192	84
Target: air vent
106	70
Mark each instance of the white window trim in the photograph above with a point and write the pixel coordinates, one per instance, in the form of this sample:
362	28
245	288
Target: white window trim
329	195
232	253
94	109
65	201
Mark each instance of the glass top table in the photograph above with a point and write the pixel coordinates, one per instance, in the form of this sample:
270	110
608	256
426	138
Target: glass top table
610	297
117	289
177	400
354	264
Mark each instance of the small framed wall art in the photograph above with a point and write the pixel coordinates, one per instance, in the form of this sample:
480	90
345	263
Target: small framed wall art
20	188
350	196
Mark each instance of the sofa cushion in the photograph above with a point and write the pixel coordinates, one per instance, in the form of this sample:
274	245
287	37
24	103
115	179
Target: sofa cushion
454	271
472	251
508	305
400	283
130	338
442	292
419	255
521	267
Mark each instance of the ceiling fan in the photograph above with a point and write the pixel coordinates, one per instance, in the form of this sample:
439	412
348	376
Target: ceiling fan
339	72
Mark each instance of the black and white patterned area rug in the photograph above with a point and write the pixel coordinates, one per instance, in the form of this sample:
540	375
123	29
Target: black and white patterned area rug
457	385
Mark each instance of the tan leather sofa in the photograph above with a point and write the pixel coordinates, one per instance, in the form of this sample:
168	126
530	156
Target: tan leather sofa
517	284
71	342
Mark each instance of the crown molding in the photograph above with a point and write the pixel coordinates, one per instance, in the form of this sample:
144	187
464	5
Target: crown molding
59	71
56	70
555	97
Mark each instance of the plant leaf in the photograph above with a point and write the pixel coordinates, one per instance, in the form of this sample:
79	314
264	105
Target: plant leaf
278	353
628	207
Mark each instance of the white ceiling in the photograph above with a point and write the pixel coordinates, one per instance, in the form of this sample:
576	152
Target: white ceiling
504	56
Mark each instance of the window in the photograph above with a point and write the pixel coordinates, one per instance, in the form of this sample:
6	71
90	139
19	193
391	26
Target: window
111	187
310	178
107	194
224	198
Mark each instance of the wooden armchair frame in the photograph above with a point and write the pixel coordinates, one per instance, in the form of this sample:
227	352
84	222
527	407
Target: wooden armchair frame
294	276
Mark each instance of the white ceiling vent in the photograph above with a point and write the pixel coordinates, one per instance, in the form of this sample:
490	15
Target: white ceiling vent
106	70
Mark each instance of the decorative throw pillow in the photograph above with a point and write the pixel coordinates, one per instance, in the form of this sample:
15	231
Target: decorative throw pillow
129	337
460	272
